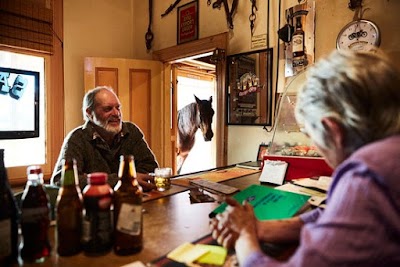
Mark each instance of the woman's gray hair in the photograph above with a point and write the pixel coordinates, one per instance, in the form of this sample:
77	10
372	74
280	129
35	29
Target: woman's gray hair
89	102
360	91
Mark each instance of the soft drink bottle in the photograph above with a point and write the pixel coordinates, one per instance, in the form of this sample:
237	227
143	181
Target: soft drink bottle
97	222
35	218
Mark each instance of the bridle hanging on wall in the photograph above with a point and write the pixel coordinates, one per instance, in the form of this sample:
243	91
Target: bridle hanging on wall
228	12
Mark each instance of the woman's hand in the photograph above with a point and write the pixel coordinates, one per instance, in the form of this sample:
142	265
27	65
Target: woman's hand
234	221
225	236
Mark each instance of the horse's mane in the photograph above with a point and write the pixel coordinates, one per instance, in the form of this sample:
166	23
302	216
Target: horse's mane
187	117
189	122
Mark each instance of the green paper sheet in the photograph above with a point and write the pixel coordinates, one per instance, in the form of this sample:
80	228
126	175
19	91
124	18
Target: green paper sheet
268	203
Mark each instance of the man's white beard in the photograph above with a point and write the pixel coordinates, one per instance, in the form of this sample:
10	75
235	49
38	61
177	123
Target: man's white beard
112	129
108	128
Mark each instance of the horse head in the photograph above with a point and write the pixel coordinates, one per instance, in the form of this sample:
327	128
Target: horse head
206	115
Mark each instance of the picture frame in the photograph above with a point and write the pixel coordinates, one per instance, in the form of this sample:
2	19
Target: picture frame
188	22
249	88
262	151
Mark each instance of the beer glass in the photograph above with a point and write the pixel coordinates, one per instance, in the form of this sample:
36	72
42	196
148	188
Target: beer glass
162	178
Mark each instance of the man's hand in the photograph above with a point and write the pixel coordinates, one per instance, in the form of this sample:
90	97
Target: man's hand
144	180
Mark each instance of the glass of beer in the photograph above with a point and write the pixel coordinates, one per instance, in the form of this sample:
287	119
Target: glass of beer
162	178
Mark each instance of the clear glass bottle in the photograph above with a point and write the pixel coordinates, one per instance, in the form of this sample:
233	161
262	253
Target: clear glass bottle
9	219
298	39
97	222
35	218
69	211
128	218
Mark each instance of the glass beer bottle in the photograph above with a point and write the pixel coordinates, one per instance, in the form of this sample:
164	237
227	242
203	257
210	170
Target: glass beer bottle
69	210
128	230
9	218
97	221
298	39
35	218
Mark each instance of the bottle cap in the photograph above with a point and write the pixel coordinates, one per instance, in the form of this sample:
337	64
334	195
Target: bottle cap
34	169
97	178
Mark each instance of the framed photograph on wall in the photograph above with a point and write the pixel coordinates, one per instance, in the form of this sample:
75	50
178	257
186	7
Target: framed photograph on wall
262	151
188	22
249	88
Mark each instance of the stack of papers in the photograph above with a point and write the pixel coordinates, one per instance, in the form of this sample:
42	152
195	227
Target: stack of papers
316	188
322	183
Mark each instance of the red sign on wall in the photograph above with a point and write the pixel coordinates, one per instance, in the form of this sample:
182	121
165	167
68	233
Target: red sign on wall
188	21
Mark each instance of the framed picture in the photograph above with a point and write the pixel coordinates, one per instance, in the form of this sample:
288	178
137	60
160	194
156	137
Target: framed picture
249	88
188	22
262	151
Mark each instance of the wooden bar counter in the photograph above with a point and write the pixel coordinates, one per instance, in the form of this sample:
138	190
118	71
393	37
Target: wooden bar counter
168	222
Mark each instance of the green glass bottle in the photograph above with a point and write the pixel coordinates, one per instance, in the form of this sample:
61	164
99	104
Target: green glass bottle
69	211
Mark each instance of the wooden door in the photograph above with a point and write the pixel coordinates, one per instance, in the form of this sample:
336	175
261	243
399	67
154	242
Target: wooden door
174	118
138	84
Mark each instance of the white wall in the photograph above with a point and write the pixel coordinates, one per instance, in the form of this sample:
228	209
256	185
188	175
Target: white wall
101	28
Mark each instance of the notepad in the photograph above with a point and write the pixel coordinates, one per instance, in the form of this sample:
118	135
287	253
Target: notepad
187	253
208	254
273	172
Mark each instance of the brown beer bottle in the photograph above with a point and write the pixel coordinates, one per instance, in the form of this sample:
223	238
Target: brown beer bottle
69	210
9	218
97	221
35	218
128	230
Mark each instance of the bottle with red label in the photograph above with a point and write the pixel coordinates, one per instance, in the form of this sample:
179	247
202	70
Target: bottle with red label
35	218
97	222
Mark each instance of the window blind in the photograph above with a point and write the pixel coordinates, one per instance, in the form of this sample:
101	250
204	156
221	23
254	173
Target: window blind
27	24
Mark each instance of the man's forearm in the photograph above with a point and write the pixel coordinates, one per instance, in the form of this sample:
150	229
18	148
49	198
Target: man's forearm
280	231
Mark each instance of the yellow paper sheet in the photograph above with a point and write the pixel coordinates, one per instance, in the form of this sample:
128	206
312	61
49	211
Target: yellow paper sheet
215	256
187	253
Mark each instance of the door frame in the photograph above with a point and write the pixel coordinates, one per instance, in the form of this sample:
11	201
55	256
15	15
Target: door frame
193	48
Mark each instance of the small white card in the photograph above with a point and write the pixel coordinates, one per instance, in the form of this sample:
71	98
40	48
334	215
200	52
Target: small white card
134	264
273	172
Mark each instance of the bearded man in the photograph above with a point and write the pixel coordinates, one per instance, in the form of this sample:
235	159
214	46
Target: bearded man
98	144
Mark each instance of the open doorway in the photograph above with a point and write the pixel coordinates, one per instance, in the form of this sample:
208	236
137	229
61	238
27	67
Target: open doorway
196	77
216	45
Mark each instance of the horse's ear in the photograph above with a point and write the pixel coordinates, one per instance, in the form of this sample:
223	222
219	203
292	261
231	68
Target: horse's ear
197	99
210	99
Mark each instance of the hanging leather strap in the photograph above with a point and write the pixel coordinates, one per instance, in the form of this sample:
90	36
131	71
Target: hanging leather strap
232	12
149	34
170	8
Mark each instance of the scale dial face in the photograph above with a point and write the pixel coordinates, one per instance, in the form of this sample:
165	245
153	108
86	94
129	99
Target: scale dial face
359	35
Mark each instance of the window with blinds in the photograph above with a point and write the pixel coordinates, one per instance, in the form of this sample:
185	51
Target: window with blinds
27	24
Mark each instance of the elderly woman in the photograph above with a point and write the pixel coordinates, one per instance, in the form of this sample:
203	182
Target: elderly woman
350	108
